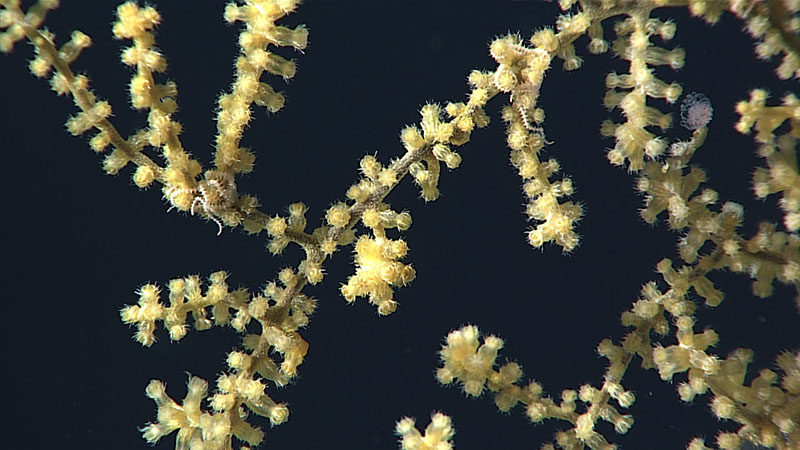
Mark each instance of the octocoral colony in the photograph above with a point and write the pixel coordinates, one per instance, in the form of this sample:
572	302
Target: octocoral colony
663	326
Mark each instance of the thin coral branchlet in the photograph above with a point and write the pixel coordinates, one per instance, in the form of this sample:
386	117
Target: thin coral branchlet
437	434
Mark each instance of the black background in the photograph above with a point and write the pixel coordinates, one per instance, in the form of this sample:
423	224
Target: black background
77	243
